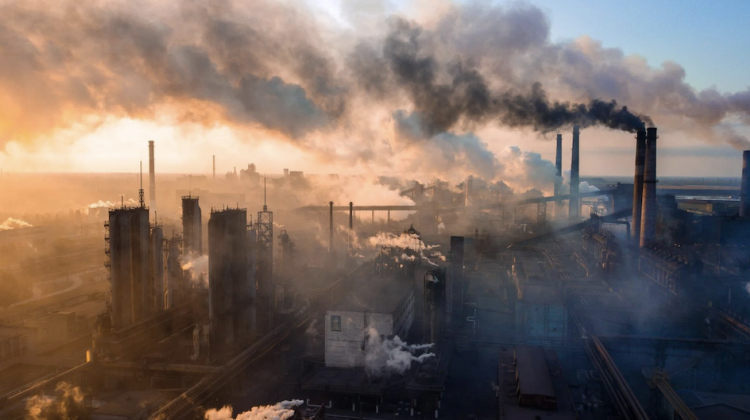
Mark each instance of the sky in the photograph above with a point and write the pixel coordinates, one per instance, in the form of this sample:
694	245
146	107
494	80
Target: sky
709	40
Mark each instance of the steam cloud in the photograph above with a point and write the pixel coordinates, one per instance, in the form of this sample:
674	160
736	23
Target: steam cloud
67	404
11	223
198	268
280	411
385	356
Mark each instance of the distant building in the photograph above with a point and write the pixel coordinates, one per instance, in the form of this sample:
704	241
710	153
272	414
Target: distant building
14	342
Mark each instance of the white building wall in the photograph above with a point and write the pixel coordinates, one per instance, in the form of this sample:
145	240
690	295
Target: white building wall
346	348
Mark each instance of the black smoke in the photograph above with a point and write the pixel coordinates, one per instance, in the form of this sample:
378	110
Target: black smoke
467	98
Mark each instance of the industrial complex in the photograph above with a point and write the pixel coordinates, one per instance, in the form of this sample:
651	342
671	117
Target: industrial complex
627	299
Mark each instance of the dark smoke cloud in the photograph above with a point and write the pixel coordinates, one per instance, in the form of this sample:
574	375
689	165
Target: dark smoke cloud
277	65
208	61
466	96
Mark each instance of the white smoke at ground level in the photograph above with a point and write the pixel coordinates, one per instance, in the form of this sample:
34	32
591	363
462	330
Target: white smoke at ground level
11	223
384	355
279	411
406	241
198	268
66	404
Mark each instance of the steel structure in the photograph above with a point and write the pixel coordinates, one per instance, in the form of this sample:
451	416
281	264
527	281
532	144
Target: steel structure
264	228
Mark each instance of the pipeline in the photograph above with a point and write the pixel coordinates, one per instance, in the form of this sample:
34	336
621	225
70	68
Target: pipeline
19	394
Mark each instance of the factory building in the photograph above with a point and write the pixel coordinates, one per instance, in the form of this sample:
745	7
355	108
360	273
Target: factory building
175	280
533	388
129	244
385	306
192	234
231	293
540	313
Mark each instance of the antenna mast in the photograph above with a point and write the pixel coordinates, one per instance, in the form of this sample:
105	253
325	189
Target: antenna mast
140	191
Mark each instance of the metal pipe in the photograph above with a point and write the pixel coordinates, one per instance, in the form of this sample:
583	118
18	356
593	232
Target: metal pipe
151	177
351	225
640	158
558	165
648	212
745	186
330	227
574	203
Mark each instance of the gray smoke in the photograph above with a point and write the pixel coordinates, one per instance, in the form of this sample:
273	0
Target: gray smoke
466	96
279	66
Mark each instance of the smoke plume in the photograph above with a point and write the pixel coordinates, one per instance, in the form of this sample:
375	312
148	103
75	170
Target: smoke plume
11	223
198	268
66	404
384	95
384	355
279	411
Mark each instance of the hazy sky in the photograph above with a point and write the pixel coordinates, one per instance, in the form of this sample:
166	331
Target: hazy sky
710	40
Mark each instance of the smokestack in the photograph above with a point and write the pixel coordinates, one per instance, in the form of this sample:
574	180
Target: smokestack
330	227
558	165
214	167
640	158
351	225
468	191
151	177
574	203
648	212
745	188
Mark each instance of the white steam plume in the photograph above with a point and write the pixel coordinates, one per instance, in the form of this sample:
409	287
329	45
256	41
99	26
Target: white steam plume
66	404
11	223
198	268
280	411
384	356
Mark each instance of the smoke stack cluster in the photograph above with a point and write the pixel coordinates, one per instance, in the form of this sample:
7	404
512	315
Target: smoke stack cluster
648	212
151	177
745	188
640	158
574	203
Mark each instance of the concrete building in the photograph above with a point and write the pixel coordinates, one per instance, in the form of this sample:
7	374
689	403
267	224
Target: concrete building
129	264
156	270
384	304
14	342
231	293
73	322
540	313
192	233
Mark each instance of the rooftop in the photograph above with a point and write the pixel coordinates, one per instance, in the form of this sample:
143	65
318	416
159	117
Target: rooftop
381	295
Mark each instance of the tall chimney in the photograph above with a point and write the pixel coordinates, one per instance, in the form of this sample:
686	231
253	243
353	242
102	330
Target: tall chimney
745	188
558	165
330	227
648	212
351	225
214	167
151	177
574	203
640	158
468	191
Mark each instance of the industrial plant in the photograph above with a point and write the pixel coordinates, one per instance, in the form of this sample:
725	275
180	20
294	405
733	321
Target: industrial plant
374	209
626	300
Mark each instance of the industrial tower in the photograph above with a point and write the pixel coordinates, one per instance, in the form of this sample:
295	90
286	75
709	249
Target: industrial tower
264	226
